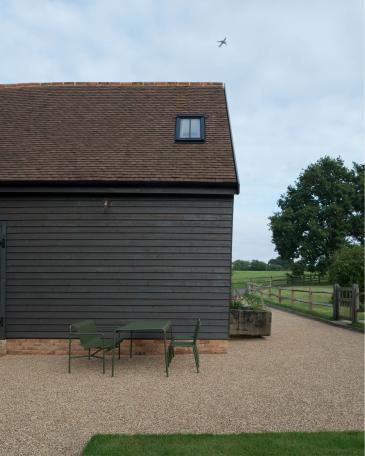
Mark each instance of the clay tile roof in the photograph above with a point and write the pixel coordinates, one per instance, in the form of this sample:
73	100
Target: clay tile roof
112	132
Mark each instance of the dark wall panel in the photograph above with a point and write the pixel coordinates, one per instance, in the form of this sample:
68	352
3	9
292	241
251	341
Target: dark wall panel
70	258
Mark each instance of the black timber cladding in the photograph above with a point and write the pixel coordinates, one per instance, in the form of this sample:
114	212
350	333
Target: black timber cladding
150	256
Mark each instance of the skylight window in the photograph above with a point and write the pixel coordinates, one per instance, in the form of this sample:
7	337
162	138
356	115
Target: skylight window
190	128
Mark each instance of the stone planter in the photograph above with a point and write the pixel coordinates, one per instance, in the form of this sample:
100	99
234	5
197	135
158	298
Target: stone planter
249	322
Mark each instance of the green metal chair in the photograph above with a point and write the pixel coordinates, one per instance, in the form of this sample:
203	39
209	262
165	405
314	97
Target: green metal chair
186	342
90	339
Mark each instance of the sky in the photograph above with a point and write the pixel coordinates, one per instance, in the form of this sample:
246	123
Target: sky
293	72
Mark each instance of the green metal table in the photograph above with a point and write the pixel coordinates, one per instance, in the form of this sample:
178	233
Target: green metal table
142	326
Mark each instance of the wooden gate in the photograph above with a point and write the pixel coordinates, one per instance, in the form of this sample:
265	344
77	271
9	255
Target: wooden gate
345	302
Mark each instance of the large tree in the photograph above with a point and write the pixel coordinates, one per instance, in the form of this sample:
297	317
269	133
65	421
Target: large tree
320	213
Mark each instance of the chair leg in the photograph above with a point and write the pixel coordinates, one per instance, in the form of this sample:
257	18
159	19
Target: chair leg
119	350
196	356
69	355
169	353
103	361
89	354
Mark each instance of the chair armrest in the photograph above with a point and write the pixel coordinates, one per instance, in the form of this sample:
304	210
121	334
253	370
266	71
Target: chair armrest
87	334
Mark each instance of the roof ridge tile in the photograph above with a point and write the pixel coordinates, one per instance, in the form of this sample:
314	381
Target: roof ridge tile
111	83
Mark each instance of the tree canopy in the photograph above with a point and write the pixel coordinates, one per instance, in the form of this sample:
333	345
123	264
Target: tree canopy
320	213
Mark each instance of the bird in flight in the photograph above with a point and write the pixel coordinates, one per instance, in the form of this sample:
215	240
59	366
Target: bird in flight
221	42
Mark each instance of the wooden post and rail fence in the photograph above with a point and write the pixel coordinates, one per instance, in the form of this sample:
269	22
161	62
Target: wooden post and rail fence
344	301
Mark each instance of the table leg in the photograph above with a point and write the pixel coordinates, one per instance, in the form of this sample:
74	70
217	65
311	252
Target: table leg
114	339
166	361
130	344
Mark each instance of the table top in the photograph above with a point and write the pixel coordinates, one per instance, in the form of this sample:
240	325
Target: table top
145	325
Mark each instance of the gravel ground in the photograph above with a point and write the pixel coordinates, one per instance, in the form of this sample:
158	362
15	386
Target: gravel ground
307	376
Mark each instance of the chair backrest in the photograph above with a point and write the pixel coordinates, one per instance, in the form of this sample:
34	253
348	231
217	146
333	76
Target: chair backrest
85	326
197	329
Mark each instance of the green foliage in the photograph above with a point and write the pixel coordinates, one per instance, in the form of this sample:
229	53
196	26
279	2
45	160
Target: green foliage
275	264
320	213
257	265
247	301
278	262
275	267
241	265
298	269
244	265
347	266
236	303
253	300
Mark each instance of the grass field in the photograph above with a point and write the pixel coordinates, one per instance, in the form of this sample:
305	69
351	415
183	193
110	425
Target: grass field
240	278
263	444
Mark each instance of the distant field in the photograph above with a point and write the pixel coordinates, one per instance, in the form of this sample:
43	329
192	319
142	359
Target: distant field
240	278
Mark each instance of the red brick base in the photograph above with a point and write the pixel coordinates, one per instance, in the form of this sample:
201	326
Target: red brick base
60	347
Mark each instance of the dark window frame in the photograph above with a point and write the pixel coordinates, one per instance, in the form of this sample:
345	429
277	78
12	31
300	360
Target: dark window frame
202	128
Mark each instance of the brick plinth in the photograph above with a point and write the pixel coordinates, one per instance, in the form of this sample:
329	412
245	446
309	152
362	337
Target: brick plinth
2	347
60	347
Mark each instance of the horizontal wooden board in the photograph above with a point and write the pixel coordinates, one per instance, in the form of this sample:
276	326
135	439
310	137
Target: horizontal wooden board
133	302
45	232
91	223
69	258
130	268
22	202
106	277
19	284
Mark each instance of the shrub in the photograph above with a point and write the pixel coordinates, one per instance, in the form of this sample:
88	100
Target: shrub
347	266
298	269
246	301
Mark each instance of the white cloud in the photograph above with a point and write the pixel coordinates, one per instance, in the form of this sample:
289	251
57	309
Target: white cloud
293	69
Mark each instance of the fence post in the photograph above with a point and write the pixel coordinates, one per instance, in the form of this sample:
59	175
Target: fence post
261	297
292	297
336	301
310	293
270	293
279	295
354	302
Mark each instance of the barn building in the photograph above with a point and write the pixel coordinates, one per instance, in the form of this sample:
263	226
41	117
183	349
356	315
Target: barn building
116	203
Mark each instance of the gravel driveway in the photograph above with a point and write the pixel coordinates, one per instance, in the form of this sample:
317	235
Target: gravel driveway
306	377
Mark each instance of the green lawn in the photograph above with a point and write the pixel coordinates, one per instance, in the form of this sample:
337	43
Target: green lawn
240	278
264	444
